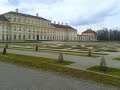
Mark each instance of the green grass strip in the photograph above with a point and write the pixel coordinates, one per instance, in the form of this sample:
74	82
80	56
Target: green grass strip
116	58
111	71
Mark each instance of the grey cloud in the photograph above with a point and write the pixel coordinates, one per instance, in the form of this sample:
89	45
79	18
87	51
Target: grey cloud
97	17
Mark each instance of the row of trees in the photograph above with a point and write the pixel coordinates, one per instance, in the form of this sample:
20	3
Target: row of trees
108	34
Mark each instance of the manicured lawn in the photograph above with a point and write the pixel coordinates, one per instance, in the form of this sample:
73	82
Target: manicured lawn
116	58
52	65
111	71
31	59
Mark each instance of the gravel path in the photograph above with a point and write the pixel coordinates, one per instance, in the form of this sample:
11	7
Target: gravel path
80	62
18	78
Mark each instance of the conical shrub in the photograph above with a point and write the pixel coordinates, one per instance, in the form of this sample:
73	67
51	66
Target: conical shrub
60	58
103	64
89	52
6	45
36	48
4	50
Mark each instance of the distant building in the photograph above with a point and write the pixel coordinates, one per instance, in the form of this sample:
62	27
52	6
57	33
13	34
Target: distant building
16	26
88	35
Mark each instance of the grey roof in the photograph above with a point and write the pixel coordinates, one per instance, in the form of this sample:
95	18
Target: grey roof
62	26
27	15
3	18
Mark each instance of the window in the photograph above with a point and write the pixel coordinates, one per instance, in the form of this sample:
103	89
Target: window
28	21
3	27
32	21
29	31
14	19
3	37
41	36
15	28
33	36
24	28
18	19
6	37
23	36
36	22
7	27
29	36
14	37
19	37
24	19
19	28
44	37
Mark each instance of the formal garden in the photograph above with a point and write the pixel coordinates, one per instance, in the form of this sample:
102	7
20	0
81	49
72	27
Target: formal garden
76	48
102	72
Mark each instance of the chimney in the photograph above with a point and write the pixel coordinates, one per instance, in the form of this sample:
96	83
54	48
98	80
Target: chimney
61	23
54	22
66	24
17	10
37	15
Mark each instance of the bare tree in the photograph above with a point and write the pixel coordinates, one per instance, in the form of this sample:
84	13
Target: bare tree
60	58
103	64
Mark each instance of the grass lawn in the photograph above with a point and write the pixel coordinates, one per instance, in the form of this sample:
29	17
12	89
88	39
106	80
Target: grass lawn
111	71
32	59
52	65
116	58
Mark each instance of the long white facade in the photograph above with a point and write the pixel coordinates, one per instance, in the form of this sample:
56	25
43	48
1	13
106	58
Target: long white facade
15	26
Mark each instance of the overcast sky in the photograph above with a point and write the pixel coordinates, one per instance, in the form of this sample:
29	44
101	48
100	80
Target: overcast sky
81	14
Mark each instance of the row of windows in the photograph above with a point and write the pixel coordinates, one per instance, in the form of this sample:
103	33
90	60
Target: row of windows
30	37
28	20
4	27
33	37
20	28
5	32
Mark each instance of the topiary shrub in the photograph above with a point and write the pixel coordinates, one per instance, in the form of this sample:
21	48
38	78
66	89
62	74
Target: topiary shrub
6	45
89	52
36	48
60	58
103	64
4	51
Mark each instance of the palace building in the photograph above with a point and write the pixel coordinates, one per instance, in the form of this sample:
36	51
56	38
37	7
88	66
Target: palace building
88	35
16	26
